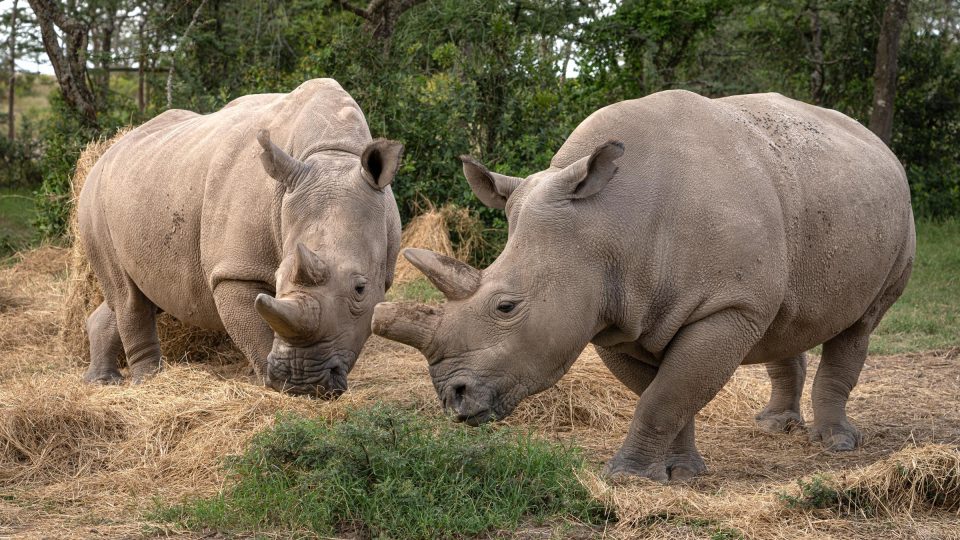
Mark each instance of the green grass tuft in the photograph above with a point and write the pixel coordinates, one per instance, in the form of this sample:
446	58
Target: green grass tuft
388	472
926	316
418	290
17	212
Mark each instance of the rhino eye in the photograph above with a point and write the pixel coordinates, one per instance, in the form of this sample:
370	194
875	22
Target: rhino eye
359	289
506	306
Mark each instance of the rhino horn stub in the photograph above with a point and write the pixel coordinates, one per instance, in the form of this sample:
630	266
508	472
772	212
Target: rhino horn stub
308	269
455	279
281	166
291	319
409	323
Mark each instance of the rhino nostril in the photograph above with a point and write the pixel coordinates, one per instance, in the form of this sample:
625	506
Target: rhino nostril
458	392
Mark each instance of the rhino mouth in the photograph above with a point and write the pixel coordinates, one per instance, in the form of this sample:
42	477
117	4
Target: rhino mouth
305	374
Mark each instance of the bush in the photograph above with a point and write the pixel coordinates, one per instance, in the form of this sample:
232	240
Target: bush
18	166
389	472
62	140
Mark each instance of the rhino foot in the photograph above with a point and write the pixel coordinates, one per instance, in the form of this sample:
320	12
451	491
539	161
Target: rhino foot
103	377
683	467
837	437
141	371
677	467
619	470
782	422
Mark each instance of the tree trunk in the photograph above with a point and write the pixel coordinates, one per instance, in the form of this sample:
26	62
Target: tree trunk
11	123
69	61
141	67
885	71
816	56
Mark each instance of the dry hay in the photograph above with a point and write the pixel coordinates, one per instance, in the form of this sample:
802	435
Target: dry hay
431	229
914	479
177	341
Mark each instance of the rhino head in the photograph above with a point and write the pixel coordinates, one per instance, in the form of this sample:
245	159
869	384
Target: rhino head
337	262
513	329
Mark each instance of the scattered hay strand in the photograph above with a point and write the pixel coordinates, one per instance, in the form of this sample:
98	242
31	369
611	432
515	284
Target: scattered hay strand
177	340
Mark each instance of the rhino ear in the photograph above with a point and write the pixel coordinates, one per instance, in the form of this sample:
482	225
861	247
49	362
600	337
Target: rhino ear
491	188
281	166
380	162
589	175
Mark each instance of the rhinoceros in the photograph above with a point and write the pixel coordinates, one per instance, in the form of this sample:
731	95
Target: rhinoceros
207	217
683	236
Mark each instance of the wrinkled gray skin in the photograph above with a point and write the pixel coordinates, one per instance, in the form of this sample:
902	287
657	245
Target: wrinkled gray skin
683	236
287	245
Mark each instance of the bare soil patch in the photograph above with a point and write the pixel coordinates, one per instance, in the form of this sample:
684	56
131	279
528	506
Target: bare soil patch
78	461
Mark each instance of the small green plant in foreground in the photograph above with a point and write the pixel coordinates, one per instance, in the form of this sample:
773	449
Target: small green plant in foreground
388	472
815	494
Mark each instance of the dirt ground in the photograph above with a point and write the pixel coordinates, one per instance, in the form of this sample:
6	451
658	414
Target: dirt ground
80	462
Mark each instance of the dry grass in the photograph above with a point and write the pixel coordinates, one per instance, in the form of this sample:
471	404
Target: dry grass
913	479
78	461
430	229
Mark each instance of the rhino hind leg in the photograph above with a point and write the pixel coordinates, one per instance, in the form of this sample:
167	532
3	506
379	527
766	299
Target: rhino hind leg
105	347
782	413
136	319
843	358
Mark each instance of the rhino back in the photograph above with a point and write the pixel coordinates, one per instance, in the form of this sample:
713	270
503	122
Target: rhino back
184	202
796	213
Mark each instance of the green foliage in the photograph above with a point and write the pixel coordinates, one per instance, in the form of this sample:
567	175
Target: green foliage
16	213
386	472
926	315
18	167
419	290
814	494
63	138
490	78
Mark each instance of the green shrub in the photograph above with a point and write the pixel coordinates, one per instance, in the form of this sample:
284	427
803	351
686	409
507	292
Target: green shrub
389	472
814	494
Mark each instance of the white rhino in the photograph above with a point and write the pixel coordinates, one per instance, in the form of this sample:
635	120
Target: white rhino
203	217
683	236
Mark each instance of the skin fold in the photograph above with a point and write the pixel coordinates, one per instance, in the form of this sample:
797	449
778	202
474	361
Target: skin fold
271	219
683	237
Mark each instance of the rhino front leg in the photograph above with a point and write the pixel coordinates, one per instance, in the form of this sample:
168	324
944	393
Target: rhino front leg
683	460
235	305
782	413
105	347
700	360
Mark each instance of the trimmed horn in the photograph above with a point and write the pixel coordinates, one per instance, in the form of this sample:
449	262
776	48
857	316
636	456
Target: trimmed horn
409	323
308	269
455	279
290	319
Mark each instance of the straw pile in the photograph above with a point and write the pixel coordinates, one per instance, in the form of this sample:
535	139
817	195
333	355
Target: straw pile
431	229
914	479
177	341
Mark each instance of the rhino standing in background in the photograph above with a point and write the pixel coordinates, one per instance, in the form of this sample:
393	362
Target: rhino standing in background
683	236
286	246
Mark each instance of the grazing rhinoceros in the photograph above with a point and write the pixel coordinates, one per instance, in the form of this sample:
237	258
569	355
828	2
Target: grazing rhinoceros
683	236
202	216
